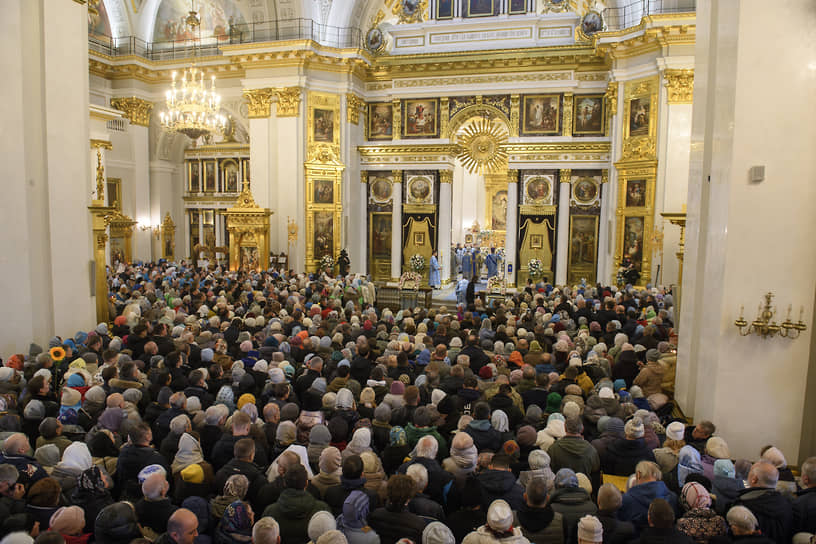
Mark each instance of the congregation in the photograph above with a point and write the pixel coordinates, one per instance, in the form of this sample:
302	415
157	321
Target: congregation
232	407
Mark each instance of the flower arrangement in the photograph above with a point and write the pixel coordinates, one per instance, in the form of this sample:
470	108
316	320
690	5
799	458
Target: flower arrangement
327	262
410	280
535	268
501	253
495	283
57	354
417	263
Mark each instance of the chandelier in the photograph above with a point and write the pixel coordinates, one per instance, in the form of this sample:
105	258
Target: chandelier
192	109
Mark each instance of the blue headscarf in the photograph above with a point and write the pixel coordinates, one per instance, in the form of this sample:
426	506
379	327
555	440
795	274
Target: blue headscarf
688	463
355	511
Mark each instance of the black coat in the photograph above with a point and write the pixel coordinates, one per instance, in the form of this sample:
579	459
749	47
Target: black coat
622	455
573	503
651	535
393	524
615	531
133	459
804	511
772	510
500	484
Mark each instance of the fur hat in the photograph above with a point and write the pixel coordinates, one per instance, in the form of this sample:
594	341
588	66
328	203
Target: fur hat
68	520
500	516
634	428
590	529
675	430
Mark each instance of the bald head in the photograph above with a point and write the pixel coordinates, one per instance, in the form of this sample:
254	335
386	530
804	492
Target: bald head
183	526
155	486
16	444
116	400
271	413
763	474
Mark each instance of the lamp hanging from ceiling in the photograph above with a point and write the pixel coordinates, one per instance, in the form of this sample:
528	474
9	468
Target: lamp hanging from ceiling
192	109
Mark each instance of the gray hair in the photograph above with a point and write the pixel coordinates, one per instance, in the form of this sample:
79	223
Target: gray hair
8	474
427	447
179	424
742	518
266	531
419	474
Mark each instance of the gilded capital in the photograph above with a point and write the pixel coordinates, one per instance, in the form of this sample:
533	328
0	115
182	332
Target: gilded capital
605	175
566	176
288	101
136	109
353	106
363	176
259	102
514	115
611	97
567	128
446	176
680	86
397	176
512	176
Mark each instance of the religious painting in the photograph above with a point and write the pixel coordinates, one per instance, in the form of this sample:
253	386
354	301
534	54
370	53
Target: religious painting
380	190
421	118
480	8
209	176
381	235
541	114
381	121
633	240
538	190
323	233
639	116
229	176
444	9
217	18
583	241
536	241
419	239
117	249
323	191
517	7
249	258
592	23
98	23
635	193
420	190
194	177
323	128
374	40
585	191
588	113
498	210
468	238
113	192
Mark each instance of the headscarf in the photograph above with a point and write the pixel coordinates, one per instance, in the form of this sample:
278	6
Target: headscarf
500	421
201	508
91	481
189	453
355	511
437	532
47	455
724	468
694	495
397	436
463	451
344	400
360	441
236	485
236	519
688	463
77	456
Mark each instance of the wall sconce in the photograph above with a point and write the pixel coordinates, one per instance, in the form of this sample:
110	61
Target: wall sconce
766	327
155	228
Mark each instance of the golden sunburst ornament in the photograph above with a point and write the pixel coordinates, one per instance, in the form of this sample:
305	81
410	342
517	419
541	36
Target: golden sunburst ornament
481	147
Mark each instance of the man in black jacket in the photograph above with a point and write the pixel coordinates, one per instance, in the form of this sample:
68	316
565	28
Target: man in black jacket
304	382
478	358
395	522
772	510
351	479
198	388
804	506
133	457
224	448
242	464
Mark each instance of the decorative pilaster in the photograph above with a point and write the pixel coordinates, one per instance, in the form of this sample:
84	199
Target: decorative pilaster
446	176
396	225
568	98
510	240
99	145
363	176
288	101
514	115
611	98
444	114
680	86
259	102
397	124
562	231
353	106
445	223
136	109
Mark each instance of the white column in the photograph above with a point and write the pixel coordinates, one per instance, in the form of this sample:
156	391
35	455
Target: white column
359	238
562	231
512	226
396	226
606	230
287	186
444	227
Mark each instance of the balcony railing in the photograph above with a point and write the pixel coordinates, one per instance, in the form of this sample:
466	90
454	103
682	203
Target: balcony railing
264	31
629	15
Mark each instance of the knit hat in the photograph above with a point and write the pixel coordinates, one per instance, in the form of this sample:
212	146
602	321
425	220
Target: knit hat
382	413
652	355
35	409
565	477
397	388
276	375
245	399
500	516
553	402
526	436
634	428
774	456
68	520
70	397
330	460
717	448
590	529
319	385
694	495
725	468
320	523
437	533
606	393
616	426
636	392
193	474
319	434
742	518
675	430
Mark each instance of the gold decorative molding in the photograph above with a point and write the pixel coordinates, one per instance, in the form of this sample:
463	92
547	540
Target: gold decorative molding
446	176
476	110
137	110
259	102
515	114
100	176
288	101
353	106
565	175
100	144
611	97
680	86
512	176
638	149
567	107
604	176
396	125
444	114
363	176
397	176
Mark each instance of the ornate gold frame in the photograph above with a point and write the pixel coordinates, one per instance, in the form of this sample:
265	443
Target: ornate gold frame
248	226
121	226
222	171
323	163
380	269
493	184
575	273
168	234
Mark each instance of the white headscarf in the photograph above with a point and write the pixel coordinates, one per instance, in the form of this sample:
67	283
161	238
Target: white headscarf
500	421
77	456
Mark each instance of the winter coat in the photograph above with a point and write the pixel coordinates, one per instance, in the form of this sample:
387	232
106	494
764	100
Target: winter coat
293	510
336	495
575	453
500	484
702	524
439	481
726	490
540	525
772	510
483	535
804	511
485	437
133	459
636	501
622	456
393	524
615	531
650	378
573	503
651	535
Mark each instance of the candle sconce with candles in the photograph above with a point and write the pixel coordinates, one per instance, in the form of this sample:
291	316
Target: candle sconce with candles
765	326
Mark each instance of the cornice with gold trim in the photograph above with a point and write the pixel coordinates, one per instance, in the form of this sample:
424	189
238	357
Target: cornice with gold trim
354	104
136	109
680	86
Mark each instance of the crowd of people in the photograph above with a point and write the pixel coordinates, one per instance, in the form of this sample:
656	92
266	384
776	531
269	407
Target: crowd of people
233	407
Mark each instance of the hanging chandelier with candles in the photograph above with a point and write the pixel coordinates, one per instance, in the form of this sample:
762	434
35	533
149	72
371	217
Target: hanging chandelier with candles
192	109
